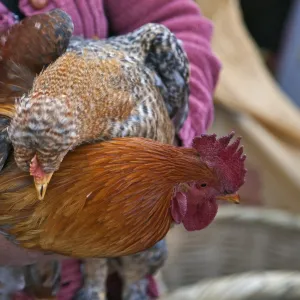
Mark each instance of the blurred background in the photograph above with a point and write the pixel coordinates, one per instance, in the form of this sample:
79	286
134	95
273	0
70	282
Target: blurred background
252	250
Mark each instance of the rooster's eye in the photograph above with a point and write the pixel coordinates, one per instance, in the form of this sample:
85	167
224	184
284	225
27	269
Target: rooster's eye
200	186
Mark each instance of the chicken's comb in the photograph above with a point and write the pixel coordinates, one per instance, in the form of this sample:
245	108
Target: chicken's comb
228	159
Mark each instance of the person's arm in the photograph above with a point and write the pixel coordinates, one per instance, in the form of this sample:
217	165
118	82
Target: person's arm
184	19
10	254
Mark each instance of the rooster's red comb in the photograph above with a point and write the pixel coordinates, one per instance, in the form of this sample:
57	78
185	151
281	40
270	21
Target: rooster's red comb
227	159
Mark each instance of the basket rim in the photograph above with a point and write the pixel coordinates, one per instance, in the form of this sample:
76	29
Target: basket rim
269	281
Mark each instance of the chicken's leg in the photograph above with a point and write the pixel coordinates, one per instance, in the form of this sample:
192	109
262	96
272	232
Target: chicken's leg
12	280
43	279
136	270
95	274
136	291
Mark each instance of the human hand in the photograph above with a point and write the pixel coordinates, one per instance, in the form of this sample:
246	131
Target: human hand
10	254
38	4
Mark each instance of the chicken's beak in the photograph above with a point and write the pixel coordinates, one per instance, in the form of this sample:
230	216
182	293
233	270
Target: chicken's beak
235	198
41	184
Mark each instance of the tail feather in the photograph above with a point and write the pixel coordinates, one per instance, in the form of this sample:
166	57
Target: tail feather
26	49
5	145
38	40
15	81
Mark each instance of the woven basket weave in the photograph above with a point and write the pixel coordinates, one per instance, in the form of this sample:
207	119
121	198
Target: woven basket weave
249	286
241	239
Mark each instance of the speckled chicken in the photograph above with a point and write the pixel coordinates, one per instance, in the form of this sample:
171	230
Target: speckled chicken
124	86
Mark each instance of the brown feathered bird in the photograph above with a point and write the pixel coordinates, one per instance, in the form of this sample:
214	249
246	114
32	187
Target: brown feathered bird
124	86
120	197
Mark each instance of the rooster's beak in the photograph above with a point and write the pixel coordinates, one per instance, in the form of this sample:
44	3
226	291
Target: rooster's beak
41	184
235	198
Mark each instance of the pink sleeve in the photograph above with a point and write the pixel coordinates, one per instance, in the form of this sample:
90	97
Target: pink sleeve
88	16
184	19
6	18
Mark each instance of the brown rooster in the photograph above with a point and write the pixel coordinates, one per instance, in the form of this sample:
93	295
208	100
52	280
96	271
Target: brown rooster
121	196
123	86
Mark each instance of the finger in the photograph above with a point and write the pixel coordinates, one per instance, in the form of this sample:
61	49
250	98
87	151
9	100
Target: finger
38	4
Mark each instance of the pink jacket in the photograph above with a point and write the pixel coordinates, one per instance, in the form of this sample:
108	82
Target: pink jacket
105	17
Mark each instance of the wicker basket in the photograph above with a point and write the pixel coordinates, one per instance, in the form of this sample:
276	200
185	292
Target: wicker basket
249	286
241	239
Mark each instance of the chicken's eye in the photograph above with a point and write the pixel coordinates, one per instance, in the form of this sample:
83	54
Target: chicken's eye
202	185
